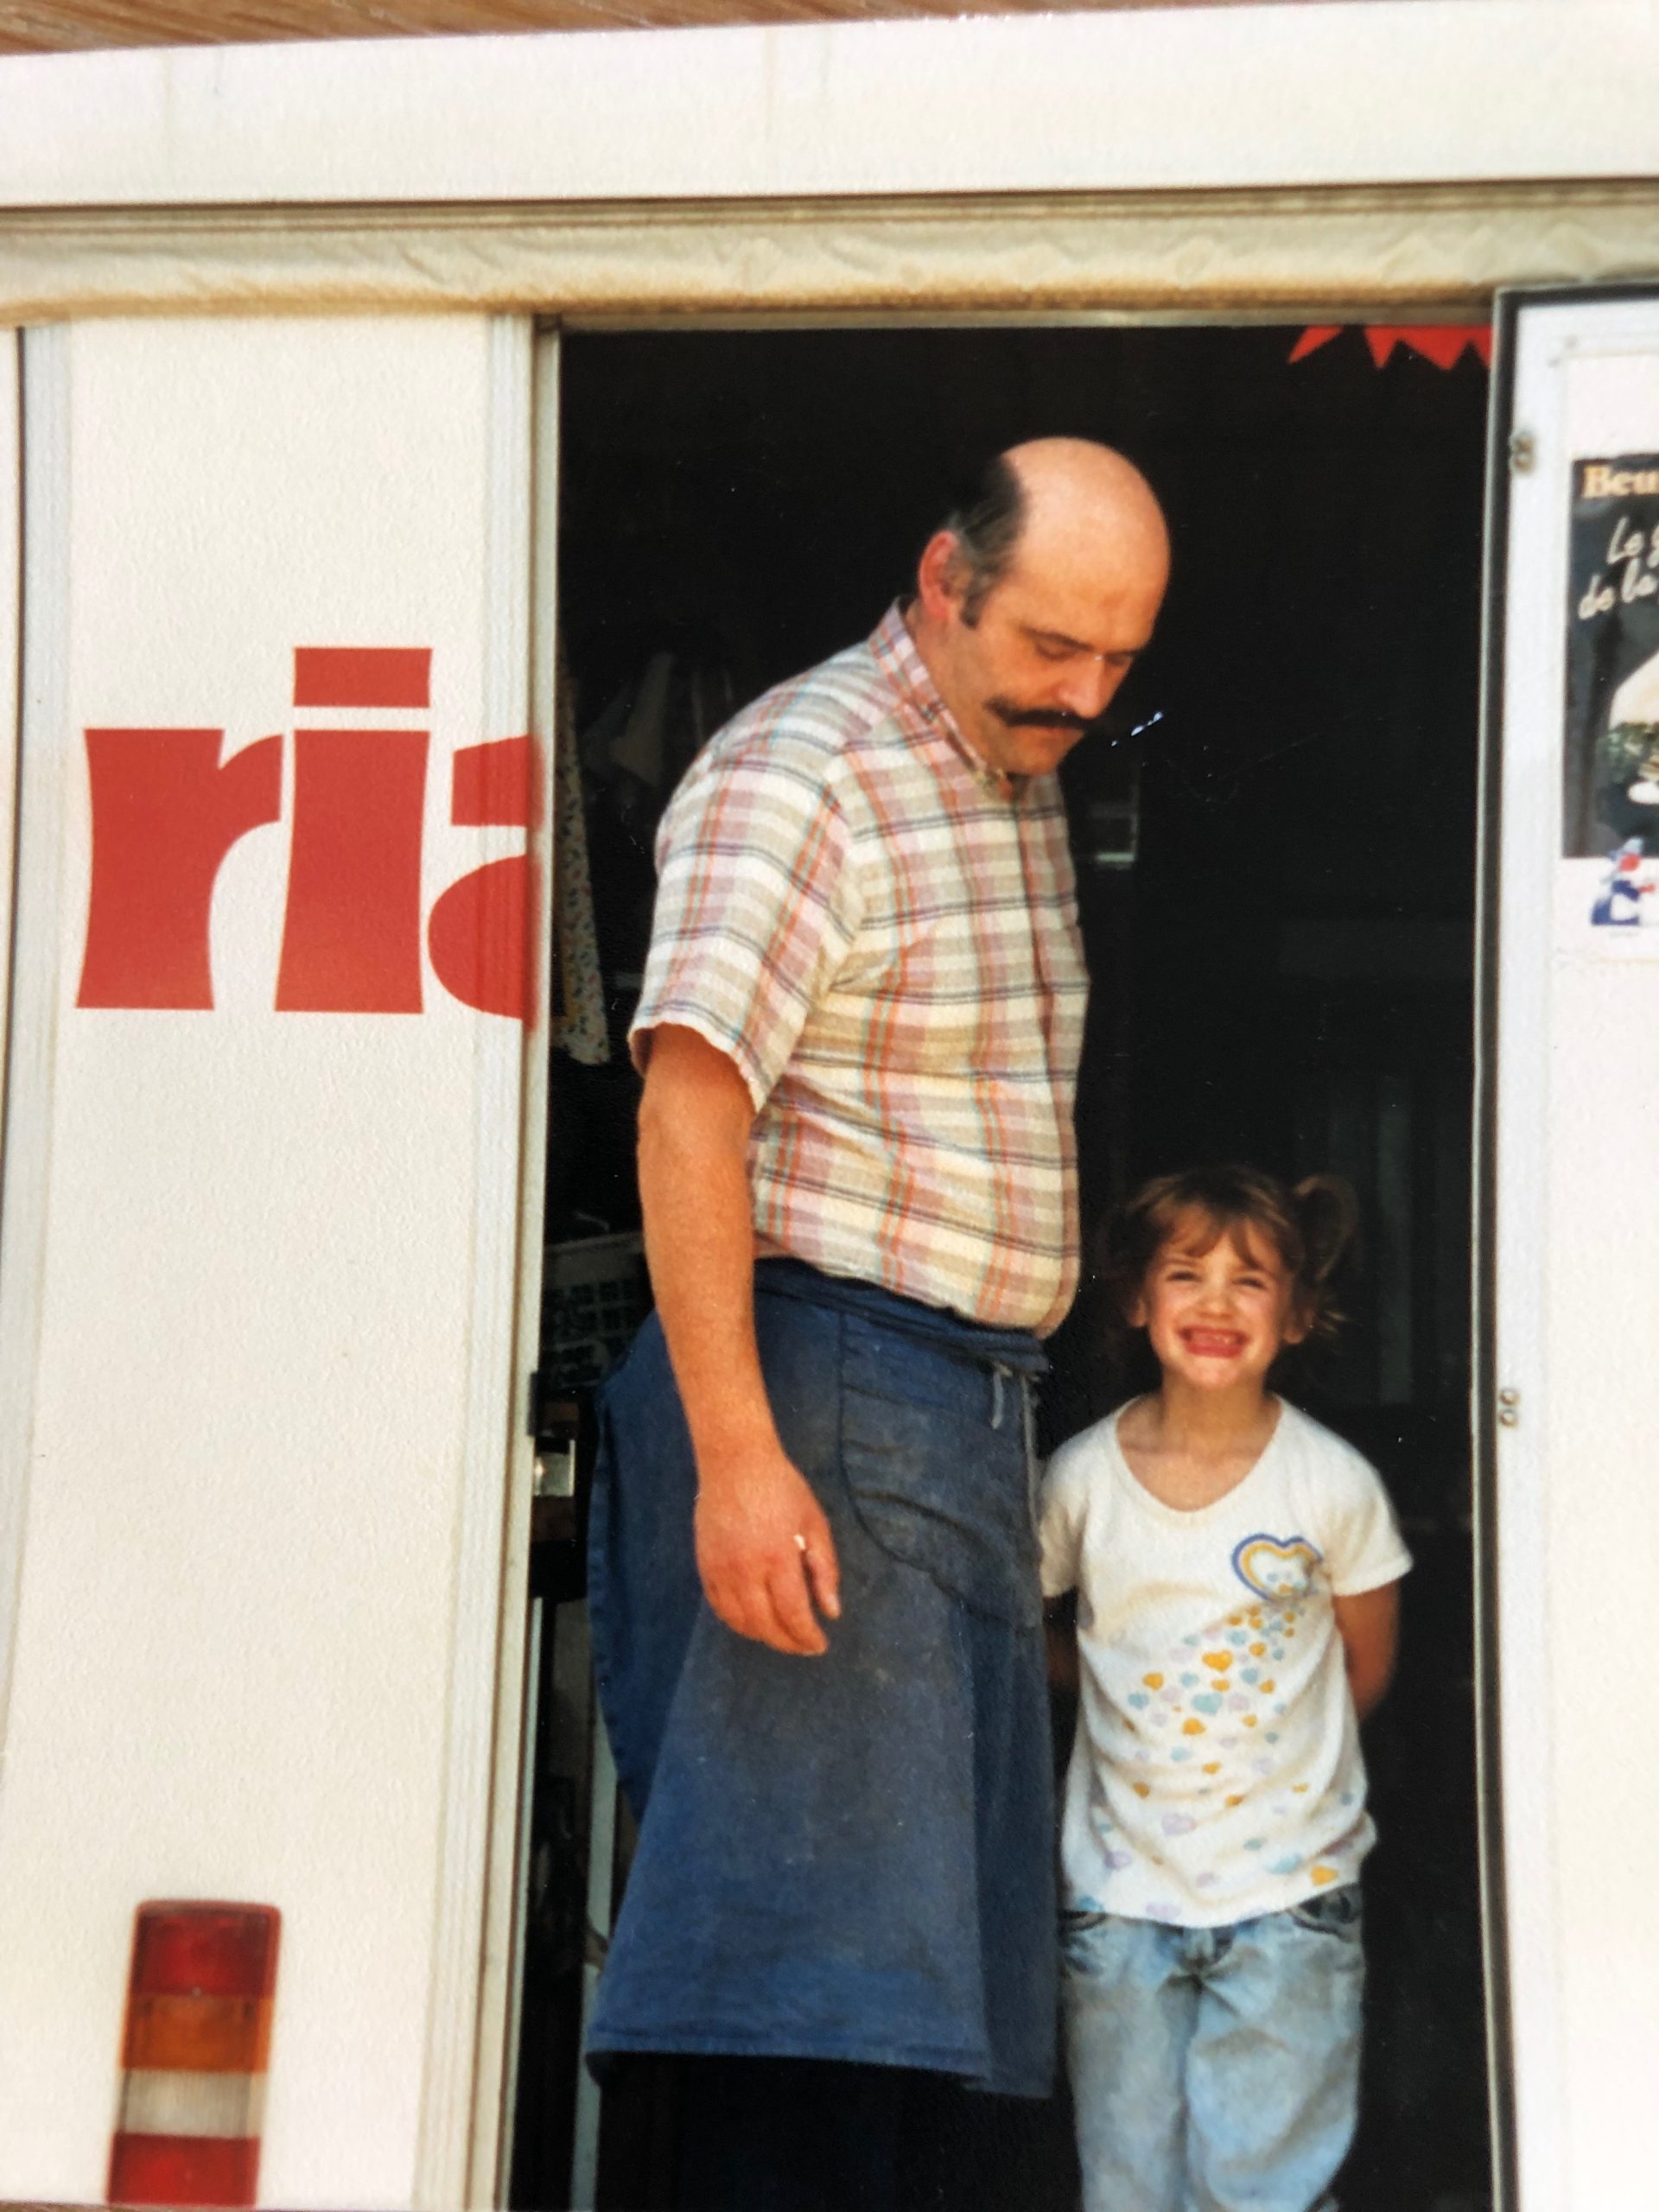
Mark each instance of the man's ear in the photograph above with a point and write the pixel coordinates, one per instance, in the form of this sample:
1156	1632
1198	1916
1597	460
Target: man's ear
940	580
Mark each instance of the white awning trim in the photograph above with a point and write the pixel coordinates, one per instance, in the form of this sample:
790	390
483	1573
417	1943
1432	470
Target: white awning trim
1339	254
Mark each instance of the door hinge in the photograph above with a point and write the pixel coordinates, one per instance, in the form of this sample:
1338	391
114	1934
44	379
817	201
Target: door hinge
1523	452
1508	1408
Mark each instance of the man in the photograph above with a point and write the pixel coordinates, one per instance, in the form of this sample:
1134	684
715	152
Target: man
813	1571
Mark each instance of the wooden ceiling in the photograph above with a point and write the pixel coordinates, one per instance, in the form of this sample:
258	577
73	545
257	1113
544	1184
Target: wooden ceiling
61	26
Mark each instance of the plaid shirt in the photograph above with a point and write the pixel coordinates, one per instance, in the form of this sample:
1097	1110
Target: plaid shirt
883	936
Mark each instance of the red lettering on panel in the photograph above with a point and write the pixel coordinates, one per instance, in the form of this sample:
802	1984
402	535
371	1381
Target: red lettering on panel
478	938
493	783
478	932
351	939
165	813
362	676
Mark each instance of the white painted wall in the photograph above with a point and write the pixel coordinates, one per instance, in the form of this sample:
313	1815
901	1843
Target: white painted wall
1370	90
1578	1507
270	1247
11	614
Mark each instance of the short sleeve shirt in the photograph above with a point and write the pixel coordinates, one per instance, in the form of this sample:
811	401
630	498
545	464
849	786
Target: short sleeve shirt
882	935
1216	1771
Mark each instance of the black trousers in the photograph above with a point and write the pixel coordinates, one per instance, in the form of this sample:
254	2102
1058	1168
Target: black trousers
814	2135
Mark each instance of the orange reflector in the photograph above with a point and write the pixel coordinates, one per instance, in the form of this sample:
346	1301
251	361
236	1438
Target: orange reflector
194	2055
225	2035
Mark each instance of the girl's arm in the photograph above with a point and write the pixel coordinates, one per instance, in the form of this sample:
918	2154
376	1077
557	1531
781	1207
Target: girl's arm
1368	1625
1061	1622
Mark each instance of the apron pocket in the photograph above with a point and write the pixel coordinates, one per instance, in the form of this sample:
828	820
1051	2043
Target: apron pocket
933	1451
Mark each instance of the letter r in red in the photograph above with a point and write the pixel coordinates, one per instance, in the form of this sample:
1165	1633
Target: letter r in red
165	813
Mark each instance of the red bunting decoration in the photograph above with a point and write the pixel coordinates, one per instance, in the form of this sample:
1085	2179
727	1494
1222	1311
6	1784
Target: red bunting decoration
1442	343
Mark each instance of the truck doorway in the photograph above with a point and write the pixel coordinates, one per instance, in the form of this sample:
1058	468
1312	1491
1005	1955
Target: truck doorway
1275	843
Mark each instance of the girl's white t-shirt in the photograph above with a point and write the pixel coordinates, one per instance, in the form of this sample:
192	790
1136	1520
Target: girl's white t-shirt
1216	1772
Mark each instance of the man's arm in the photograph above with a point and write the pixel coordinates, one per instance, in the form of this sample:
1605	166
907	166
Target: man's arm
753	1504
1368	1625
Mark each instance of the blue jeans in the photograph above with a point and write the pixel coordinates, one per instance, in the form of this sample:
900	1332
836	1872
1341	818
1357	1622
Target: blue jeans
1214	2069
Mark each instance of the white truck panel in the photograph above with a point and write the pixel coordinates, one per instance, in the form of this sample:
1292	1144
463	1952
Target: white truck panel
1578	1227
272	1251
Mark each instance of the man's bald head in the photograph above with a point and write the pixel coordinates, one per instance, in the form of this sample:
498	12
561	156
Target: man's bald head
1074	497
1033	601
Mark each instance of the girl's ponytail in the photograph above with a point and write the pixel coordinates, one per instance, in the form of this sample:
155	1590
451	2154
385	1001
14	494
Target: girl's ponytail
1327	1215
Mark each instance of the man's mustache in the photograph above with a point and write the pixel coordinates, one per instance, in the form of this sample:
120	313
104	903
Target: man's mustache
1013	718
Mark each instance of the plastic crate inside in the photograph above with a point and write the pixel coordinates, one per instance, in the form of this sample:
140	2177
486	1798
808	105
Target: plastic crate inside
595	1296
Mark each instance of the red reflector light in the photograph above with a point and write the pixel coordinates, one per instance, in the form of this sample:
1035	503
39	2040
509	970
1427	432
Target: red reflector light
204	1950
184	2170
194	2054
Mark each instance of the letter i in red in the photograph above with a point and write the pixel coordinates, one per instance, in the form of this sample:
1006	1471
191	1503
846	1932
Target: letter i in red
352	937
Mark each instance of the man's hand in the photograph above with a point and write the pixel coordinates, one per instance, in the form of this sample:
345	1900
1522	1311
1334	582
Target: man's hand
764	1547
765	1553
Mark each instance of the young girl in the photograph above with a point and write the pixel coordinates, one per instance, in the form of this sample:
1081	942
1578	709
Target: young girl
1236	1569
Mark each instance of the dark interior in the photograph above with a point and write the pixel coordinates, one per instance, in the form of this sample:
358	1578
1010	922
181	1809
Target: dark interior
1276	845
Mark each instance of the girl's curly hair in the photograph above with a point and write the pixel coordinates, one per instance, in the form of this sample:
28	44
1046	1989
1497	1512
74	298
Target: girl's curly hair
1310	1227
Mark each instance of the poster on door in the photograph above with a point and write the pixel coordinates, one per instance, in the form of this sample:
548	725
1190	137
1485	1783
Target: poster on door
1609	815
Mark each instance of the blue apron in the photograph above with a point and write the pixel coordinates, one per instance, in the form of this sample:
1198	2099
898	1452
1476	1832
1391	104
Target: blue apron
848	1857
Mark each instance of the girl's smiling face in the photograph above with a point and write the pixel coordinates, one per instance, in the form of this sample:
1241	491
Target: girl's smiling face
1218	1304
